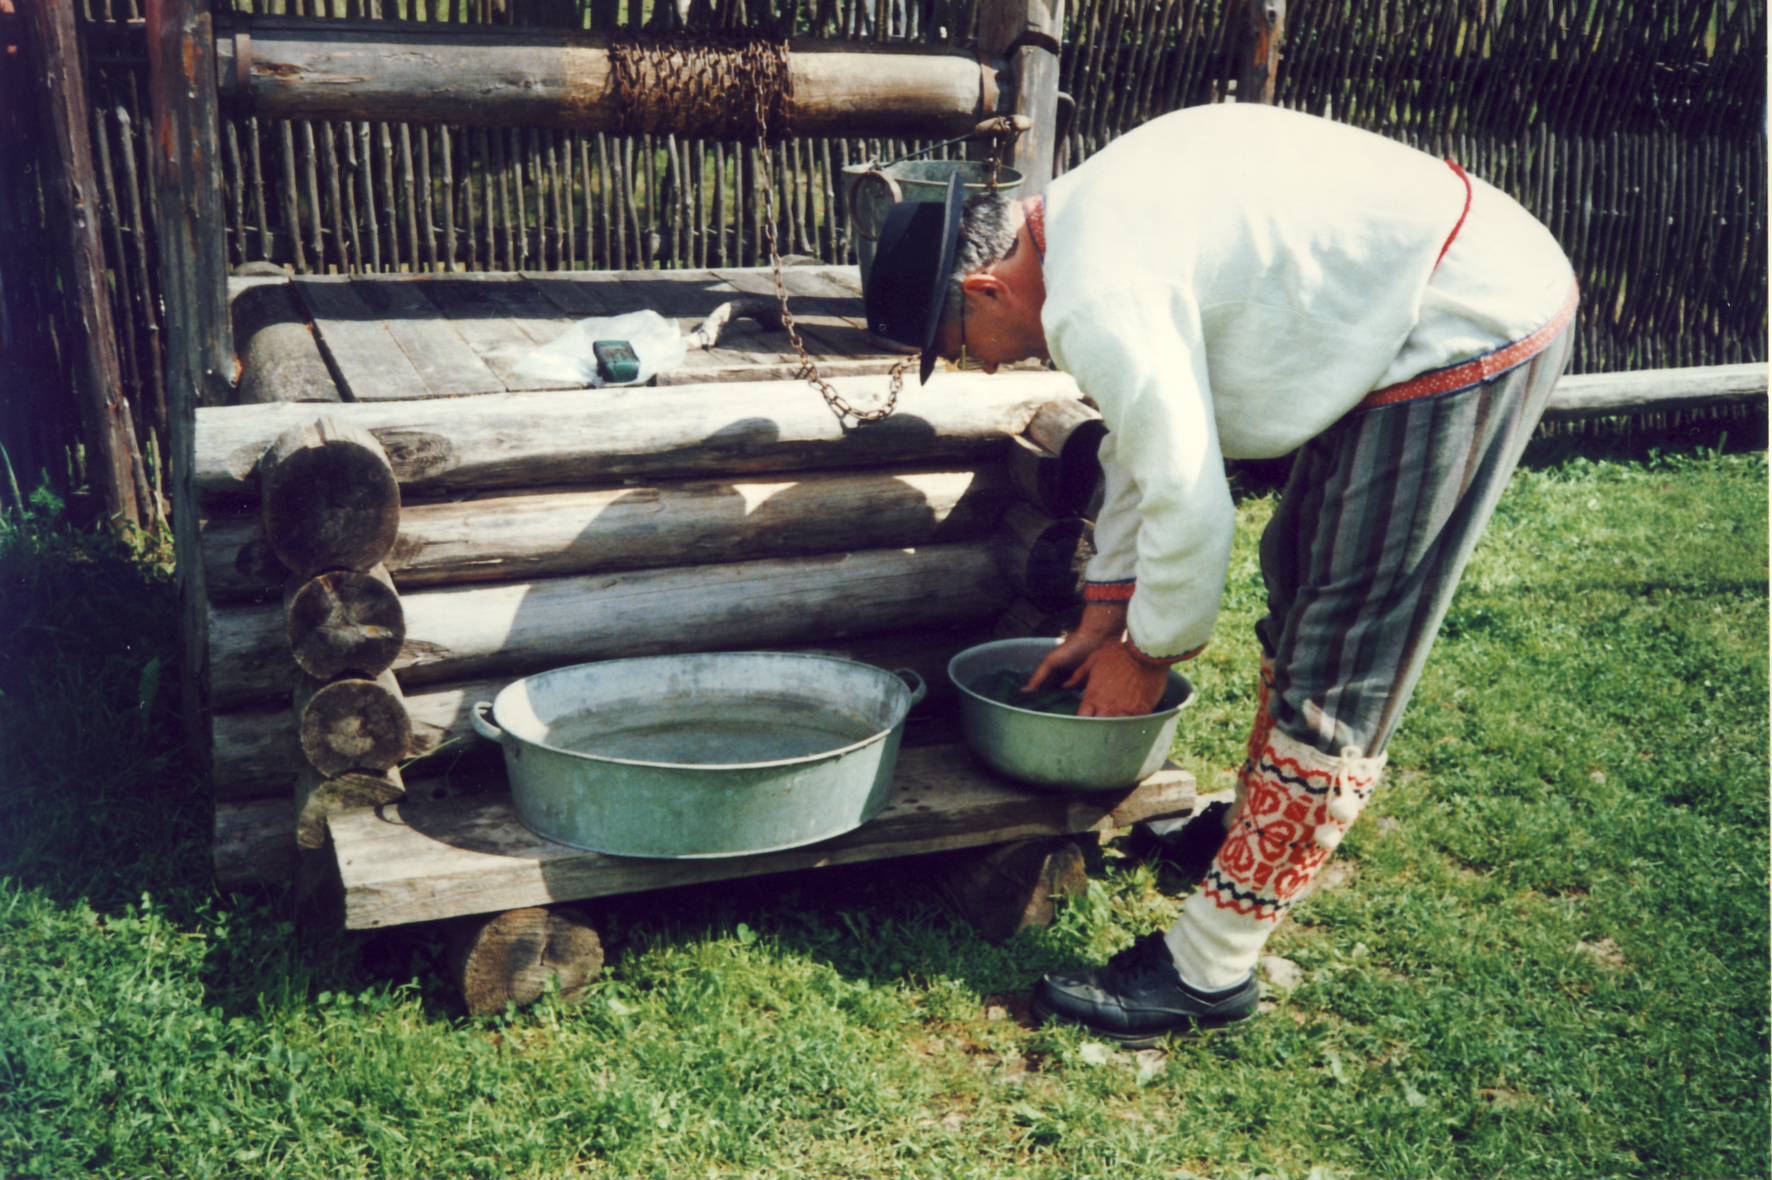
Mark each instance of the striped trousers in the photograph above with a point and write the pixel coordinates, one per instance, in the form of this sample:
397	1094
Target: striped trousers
1373	531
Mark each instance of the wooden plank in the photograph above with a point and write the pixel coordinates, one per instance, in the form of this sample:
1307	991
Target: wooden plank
368	360
448	367
501	317
577	293
689	297
506	440
830	317
1649	391
417	862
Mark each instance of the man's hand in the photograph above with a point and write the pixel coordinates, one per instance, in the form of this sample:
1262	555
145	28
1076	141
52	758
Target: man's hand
1101	624
1117	684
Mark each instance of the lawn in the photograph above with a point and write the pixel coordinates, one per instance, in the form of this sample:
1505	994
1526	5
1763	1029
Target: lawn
1543	952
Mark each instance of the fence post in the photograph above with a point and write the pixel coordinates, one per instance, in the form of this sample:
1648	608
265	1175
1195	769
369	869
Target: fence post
1264	25
74	218
186	168
1029	35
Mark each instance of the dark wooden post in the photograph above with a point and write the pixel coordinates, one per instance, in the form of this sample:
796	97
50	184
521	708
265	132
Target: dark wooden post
200	363
66	150
1029	35
1264	26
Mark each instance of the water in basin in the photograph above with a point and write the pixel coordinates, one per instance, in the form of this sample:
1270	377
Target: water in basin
707	732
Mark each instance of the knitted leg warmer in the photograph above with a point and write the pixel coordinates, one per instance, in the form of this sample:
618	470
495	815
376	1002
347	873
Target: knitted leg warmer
1258	734
1296	805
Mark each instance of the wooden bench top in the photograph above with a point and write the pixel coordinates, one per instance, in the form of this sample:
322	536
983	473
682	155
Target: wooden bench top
401	337
418	861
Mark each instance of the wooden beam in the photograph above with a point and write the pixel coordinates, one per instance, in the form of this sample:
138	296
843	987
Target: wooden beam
1029	35
510	537
280	359
186	166
417	862
1649	391
511	76
107	421
513	628
571	437
1264	27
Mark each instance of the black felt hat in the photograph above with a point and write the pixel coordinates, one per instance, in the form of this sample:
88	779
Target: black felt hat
912	264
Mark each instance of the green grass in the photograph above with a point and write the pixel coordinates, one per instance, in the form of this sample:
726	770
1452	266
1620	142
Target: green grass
1543	953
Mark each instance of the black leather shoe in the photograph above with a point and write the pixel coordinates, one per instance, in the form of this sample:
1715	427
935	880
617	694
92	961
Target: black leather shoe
1137	999
1187	847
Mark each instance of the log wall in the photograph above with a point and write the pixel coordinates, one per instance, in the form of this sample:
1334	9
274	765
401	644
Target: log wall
680	534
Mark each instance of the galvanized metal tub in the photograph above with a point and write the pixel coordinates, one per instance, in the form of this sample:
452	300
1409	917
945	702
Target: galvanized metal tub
1056	752
705	755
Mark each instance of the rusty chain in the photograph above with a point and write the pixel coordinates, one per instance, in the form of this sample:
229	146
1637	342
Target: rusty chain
740	87
808	370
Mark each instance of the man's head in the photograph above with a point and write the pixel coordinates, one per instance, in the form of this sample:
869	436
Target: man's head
949	281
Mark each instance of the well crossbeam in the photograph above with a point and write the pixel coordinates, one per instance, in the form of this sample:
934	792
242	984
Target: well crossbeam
511	76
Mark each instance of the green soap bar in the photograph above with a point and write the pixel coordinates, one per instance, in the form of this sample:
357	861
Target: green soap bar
1004	687
617	362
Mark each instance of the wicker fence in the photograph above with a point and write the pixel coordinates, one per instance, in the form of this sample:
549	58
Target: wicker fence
1633	128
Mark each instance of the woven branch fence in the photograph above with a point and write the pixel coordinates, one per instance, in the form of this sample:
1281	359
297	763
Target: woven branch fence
1633	128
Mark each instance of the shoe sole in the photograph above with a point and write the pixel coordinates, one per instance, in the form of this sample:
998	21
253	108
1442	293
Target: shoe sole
1195	1024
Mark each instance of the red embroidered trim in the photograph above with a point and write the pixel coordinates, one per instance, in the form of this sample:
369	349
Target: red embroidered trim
1108	591
1036	216
1453	164
1475	372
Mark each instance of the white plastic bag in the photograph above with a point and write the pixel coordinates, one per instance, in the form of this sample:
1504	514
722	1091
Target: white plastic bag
568	358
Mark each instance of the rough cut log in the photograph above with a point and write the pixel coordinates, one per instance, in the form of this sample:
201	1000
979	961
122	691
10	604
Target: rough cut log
253	843
571	437
1043	558
344	621
256	752
1036	474
508	76
328	498
280	360
508	958
489	538
352	723
467	632
319	796
1656	390
1022	619
1073	432
1004	890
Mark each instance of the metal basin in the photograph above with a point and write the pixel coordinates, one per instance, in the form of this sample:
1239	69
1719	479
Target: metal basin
1054	752
718	754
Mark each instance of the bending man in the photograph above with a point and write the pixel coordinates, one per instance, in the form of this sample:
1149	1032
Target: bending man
1244	281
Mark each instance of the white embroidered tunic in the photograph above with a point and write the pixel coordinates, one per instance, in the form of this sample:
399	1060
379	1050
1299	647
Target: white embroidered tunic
1228	281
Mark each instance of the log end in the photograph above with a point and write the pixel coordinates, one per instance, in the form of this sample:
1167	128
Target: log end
508	958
